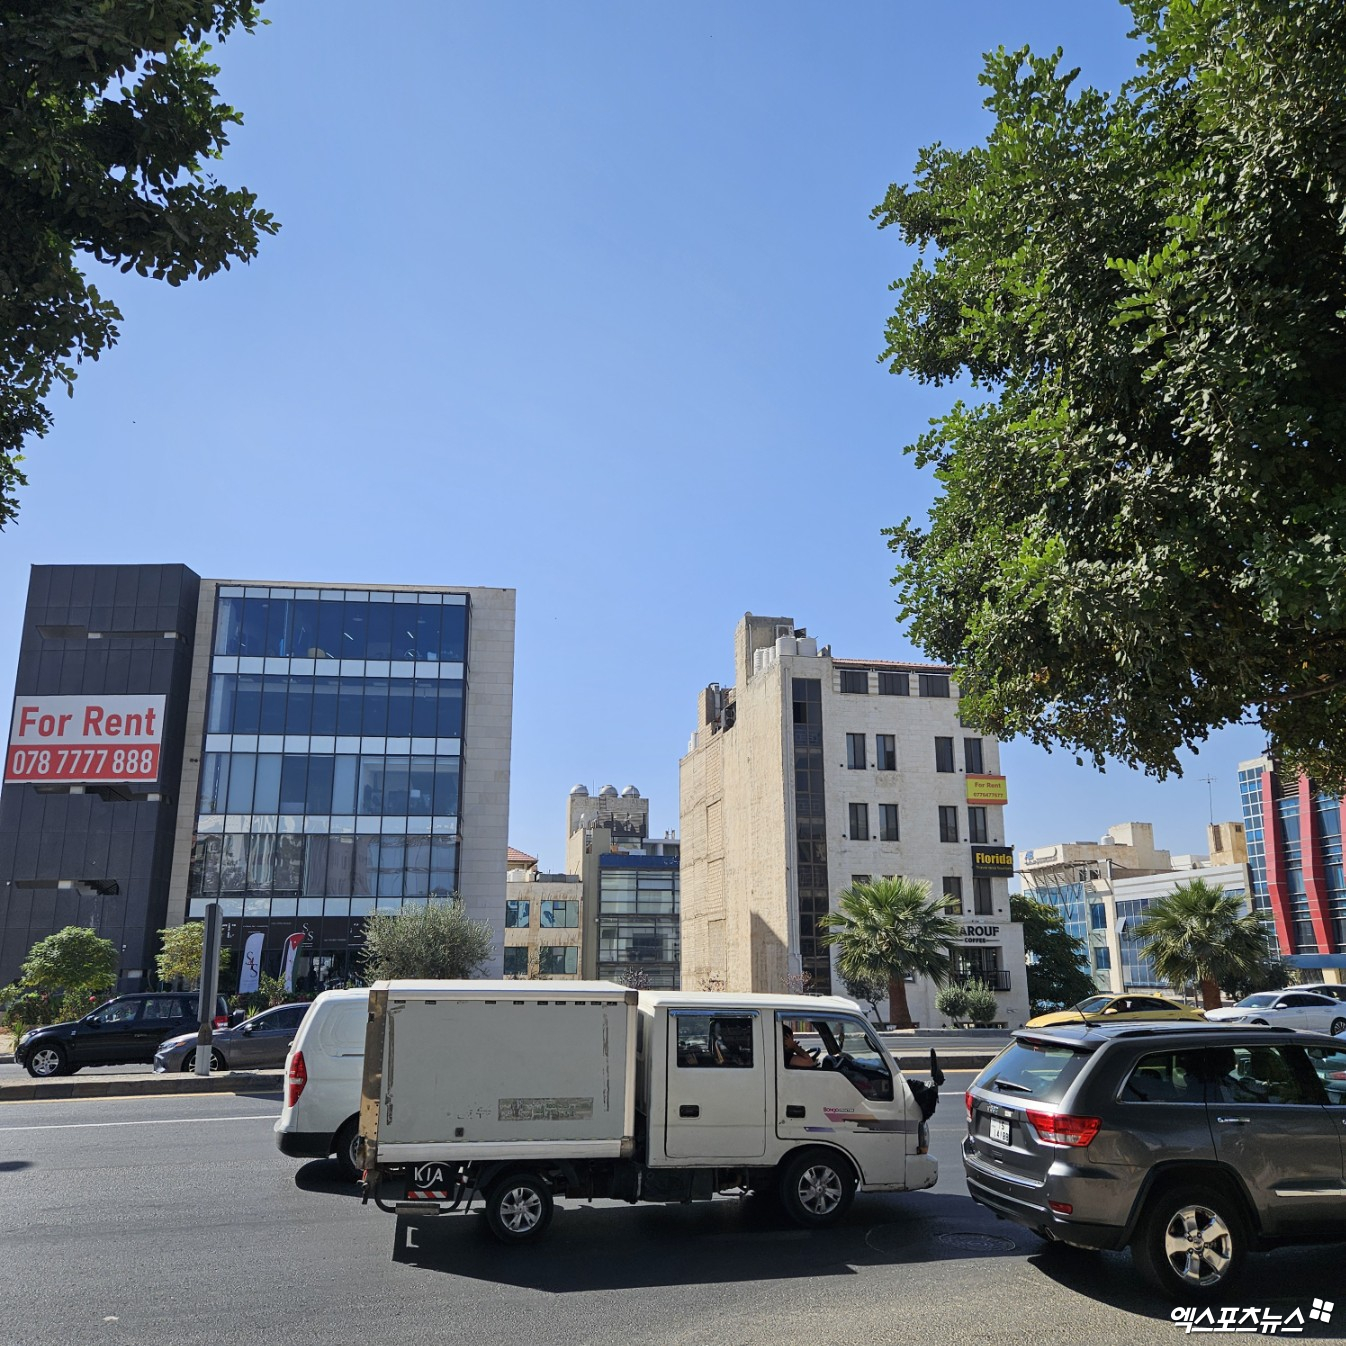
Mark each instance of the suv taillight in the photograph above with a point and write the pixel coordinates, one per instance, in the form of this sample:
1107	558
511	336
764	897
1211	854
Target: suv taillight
295	1079
1060	1128
967	1103
220	1021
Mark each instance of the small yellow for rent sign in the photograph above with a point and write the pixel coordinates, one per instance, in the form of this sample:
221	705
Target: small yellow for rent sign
986	790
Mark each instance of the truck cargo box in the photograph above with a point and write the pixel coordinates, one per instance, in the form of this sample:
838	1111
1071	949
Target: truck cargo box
481	1070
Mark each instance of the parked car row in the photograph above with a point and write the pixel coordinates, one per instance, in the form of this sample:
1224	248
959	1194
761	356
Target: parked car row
159	1027
1320	1008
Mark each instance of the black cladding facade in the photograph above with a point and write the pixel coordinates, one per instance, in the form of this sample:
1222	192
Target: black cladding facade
101	857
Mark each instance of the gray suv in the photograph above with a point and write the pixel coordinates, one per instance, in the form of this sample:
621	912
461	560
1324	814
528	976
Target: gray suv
1189	1143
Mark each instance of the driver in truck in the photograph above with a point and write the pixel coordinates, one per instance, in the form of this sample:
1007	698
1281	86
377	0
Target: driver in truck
796	1058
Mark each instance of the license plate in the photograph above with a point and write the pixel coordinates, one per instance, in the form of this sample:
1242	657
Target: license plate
999	1130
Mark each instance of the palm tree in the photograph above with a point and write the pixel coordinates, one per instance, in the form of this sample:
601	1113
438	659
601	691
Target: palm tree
891	928
1199	933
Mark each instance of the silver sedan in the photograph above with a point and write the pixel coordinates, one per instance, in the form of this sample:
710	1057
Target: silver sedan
255	1044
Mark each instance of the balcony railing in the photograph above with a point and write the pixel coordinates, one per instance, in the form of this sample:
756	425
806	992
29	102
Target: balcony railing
996	981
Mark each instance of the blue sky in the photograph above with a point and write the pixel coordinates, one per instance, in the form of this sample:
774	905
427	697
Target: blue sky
583	301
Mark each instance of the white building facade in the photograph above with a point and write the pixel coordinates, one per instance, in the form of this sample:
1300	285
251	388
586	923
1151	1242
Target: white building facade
812	773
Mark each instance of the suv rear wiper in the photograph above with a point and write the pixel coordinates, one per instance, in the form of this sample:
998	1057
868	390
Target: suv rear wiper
1012	1086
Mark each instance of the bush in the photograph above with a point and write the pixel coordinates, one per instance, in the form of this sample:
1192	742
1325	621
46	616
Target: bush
951	1002
434	939
982	1006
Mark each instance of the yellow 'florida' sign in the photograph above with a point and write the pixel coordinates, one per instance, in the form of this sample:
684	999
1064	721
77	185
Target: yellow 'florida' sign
987	790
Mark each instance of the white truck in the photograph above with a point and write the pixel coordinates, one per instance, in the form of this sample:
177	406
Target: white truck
521	1092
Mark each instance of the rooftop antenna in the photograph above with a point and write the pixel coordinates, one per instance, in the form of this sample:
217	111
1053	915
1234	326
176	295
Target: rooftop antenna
1210	799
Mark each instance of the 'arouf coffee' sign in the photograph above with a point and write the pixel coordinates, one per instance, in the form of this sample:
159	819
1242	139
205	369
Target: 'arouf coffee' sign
993	860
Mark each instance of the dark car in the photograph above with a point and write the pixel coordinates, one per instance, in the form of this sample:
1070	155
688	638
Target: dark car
121	1031
255	1044
1190	1144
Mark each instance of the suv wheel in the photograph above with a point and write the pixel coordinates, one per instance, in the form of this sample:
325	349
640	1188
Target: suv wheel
45	1060
1190	1242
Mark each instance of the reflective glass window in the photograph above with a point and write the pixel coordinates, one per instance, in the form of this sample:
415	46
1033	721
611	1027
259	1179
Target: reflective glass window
266	792
453	633
214	782
242	769
340	865
318	791
325	695
446	787
329	630
252	630
273	704
299	707
261	858
558	913
425	708
516	960
278	628
315	865
443	868
304	628
248	703
293	783
365	877
450	709
421	797
396	785
428	630
228	625
221	717
234	863
516	913
344	776
369	796
354	628
400	693
418	867
379	637
555	960
392	854
350	706
288	872
375	700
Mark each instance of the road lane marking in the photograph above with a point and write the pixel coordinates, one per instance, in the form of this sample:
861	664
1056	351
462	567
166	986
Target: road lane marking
147	1121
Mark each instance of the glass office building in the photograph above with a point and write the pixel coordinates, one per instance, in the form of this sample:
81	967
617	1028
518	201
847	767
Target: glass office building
327	753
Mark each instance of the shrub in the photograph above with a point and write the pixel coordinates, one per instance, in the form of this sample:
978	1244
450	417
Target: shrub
951	1002
982	1006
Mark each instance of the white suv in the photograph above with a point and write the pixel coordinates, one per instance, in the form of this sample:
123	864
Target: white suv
321	1115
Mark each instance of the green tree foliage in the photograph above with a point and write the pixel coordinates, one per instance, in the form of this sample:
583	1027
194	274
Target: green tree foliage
951	1002
179	958
432	939
981	1004
1056	959
1272	975
891	929
1142	530
868	990
1199	933
73	959
108	116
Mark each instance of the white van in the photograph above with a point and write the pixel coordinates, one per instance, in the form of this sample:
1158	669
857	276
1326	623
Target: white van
321	1115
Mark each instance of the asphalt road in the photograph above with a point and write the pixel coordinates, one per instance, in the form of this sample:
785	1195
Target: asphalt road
175	1220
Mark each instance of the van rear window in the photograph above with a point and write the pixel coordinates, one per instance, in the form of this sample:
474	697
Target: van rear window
1029	1069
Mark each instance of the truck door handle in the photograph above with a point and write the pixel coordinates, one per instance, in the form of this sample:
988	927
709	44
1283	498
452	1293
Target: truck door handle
689	1110
1234	1121
794	1110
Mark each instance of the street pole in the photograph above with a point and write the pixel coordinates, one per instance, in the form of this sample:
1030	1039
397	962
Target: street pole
210	985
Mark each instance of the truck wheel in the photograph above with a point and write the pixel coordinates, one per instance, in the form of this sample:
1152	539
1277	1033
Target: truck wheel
519	1207
346	1143
1190	1242
816	1188
46	1061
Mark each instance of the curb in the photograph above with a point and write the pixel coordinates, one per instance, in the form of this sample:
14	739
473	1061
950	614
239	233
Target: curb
920	1064
133	1086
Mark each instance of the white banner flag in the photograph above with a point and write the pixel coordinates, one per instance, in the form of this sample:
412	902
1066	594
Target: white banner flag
249	977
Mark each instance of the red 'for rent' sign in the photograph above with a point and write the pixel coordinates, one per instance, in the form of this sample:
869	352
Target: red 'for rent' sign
77	739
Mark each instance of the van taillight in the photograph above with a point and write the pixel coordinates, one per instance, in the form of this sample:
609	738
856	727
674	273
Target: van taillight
295	1079
1059	1128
